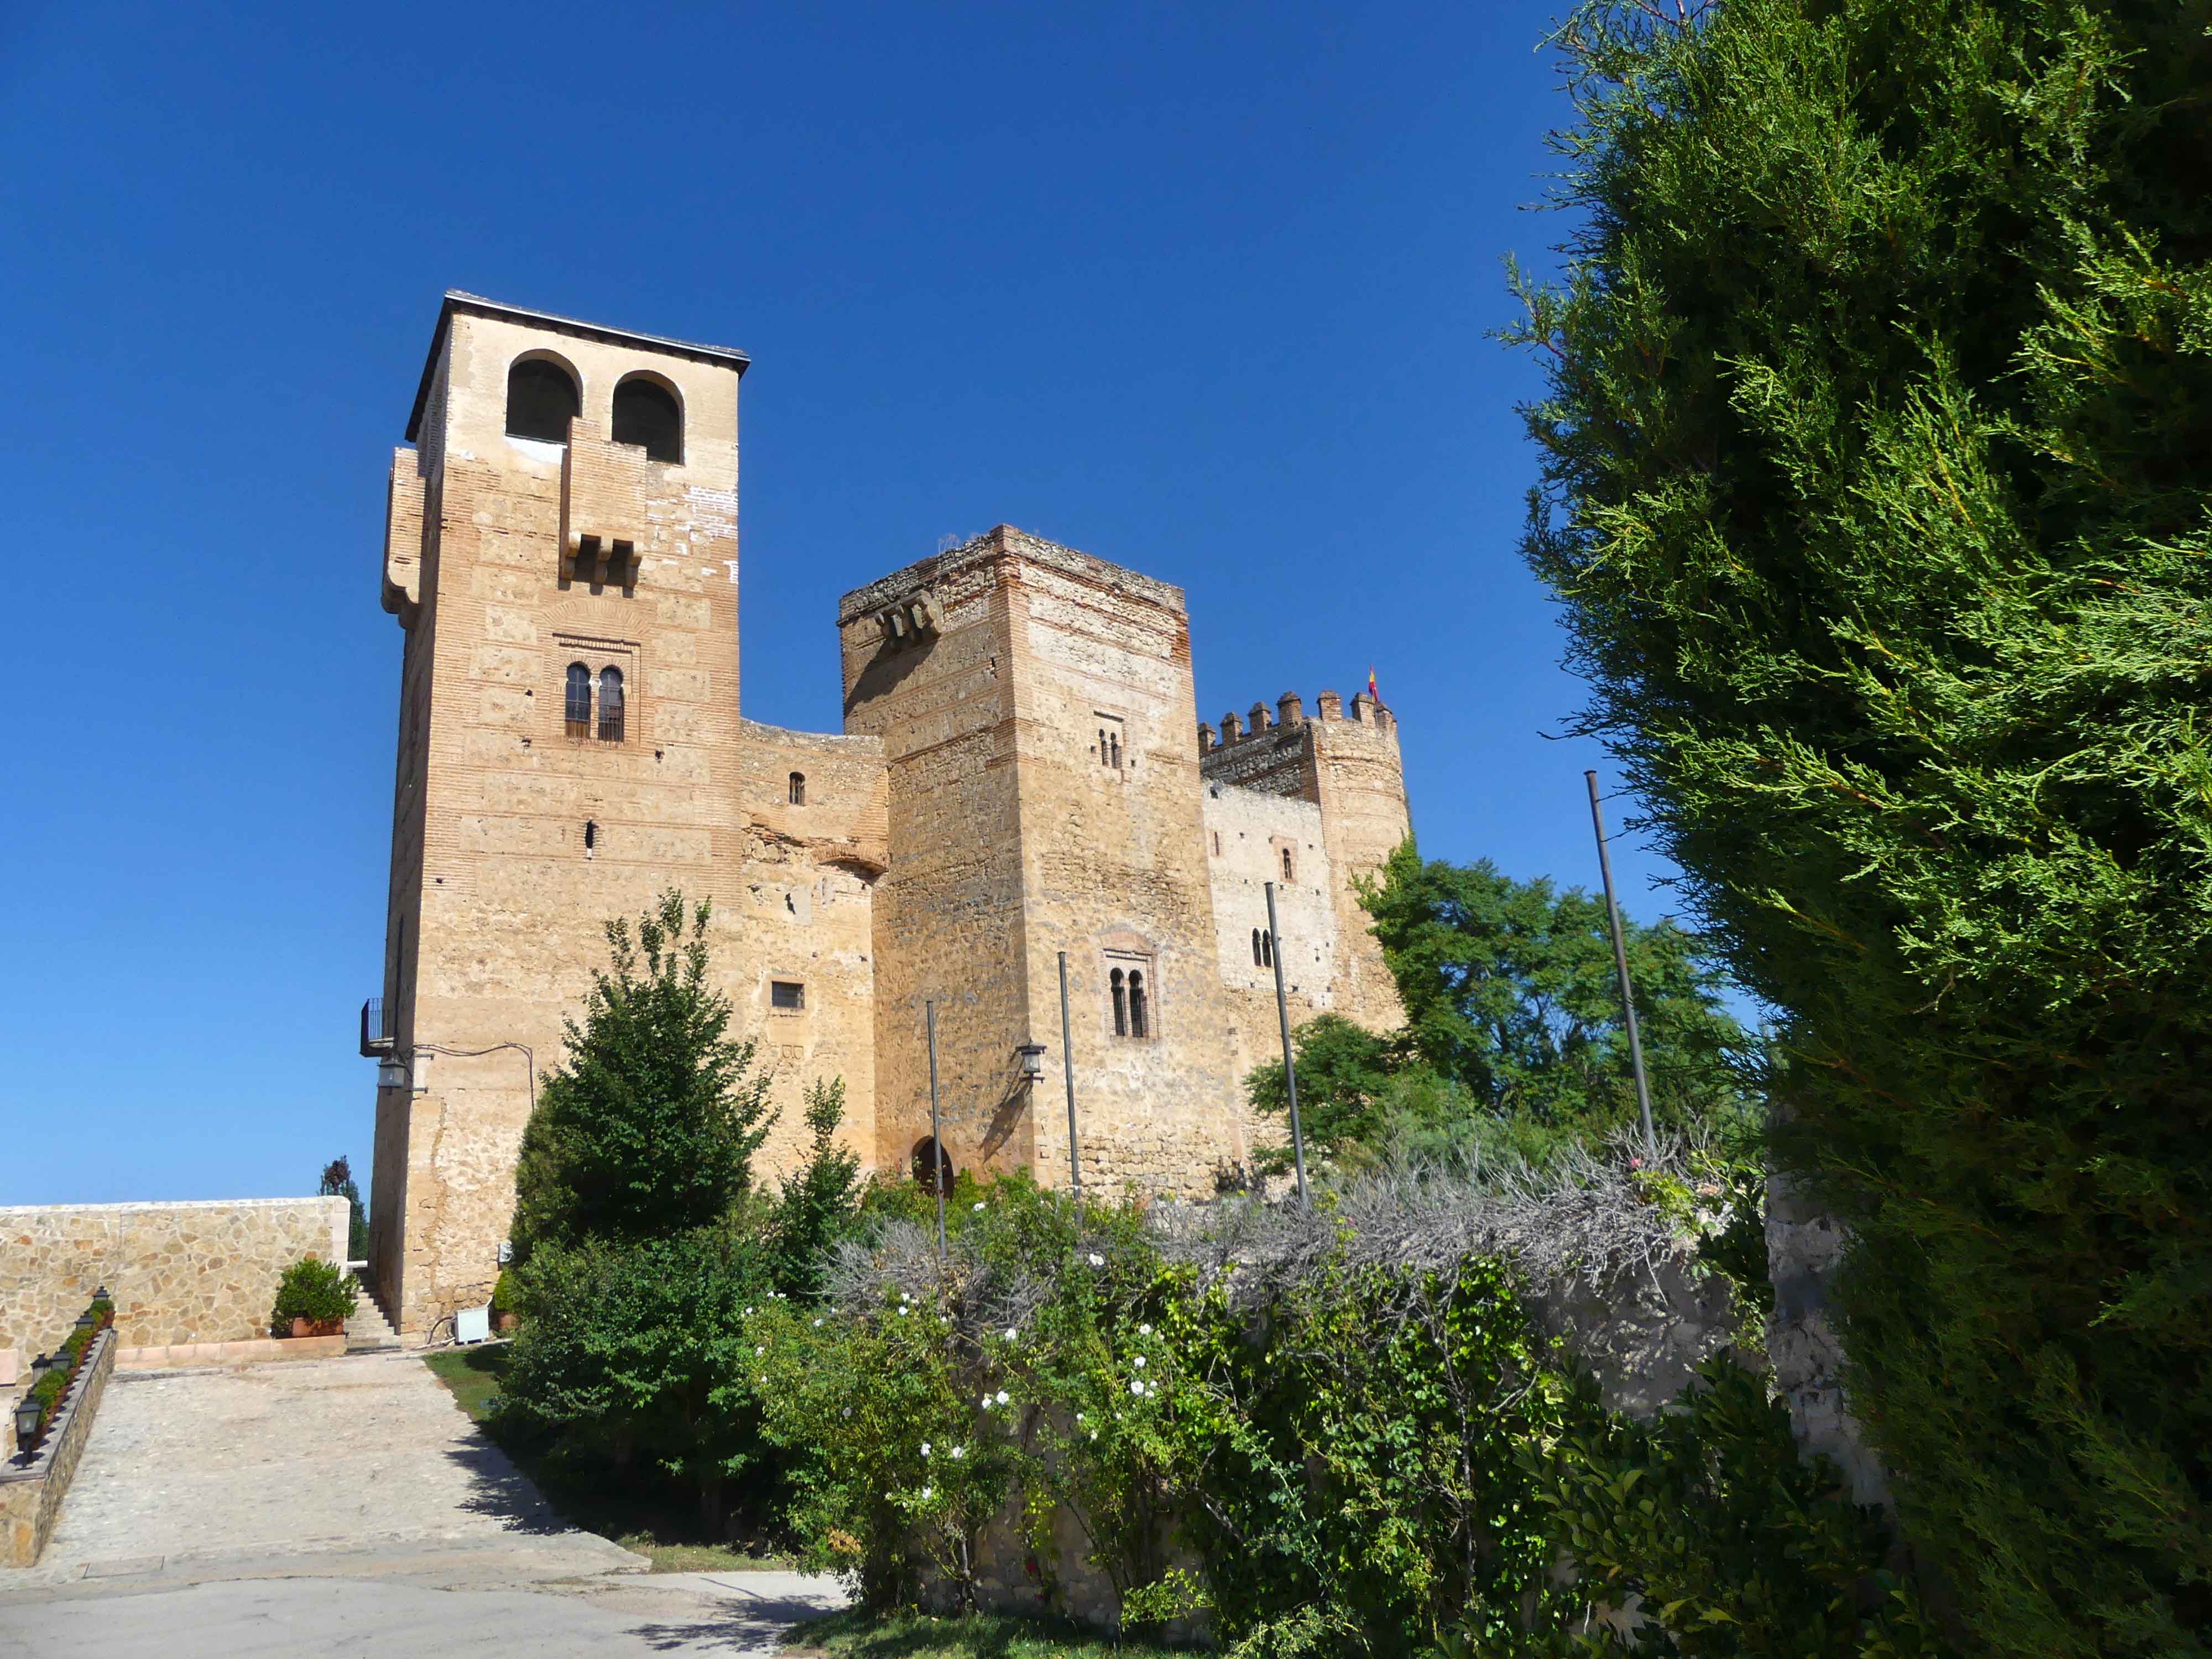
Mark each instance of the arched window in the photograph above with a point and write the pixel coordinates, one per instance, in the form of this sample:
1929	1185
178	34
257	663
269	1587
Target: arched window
1286	864
1121	1003
579	711
1256	947
1267	948
611	705
645	414
541	400
927	1153
1114	738
590	834
1102	760
1137	1003
799	789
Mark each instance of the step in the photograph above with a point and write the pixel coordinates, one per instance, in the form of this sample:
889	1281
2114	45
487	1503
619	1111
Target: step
368	1331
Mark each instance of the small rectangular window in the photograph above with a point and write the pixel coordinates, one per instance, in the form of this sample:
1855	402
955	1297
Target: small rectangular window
787	993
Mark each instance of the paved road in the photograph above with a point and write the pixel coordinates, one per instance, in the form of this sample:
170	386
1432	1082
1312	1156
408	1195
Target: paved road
345	1506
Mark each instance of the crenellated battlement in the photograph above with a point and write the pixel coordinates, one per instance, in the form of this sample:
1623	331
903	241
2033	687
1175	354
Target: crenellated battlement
1287	716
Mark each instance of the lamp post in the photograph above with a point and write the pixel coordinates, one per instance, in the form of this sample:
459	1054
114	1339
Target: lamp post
1620	967
936	1129
27	1414
1290	1062
1067	1069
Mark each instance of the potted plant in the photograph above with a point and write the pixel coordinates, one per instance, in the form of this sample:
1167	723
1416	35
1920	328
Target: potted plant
503	1299
313	1299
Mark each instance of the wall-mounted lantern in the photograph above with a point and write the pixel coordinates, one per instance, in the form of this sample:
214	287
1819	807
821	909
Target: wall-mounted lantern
1032	1055
26	1422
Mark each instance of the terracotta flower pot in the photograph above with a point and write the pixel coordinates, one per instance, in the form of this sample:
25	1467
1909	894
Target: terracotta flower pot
507	1321
301	1327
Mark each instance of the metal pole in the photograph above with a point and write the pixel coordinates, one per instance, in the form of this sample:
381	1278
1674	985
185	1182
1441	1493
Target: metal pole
1067	1065
1620	967
936	1130
1290	1064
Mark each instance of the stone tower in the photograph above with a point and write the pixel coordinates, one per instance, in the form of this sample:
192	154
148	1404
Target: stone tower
1034	705
562	552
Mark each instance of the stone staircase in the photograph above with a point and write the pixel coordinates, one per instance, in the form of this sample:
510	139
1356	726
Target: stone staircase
368	1331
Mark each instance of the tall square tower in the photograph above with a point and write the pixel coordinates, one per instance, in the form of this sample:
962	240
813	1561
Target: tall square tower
561	551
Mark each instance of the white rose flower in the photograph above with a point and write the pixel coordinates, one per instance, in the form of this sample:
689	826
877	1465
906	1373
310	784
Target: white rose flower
759	1351
978	1207
958	1452
1002	1396
817	1324
1009	1333
925	1449
925	1494
986	1402
1144	1330
1097	1259
1140	1361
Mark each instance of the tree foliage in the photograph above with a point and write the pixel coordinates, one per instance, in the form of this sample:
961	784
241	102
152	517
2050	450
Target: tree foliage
337	1182
1875	492
819	1204
1513	1023
648	1126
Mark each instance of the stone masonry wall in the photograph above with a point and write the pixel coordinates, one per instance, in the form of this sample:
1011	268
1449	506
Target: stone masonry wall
183	1272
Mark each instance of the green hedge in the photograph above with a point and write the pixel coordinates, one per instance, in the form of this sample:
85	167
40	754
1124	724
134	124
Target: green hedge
1344	1459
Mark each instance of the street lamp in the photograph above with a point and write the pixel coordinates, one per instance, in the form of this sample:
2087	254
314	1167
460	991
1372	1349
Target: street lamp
26	1422
1032	1055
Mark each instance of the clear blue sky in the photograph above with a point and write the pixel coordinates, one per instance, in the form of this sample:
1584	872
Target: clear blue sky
1205	291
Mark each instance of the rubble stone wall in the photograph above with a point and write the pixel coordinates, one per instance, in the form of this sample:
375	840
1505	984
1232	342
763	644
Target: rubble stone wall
183	1272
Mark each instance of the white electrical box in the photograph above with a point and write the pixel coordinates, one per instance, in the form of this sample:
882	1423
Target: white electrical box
473	1324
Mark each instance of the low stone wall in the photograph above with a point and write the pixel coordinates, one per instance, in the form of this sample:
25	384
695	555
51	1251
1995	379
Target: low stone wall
31	1491
182	1273
256	1351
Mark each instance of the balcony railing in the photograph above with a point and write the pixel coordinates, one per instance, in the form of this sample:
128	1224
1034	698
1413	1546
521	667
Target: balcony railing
379	1028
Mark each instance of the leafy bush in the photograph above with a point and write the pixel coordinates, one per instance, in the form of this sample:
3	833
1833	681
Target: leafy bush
1880	384
820	1204
321	1292
1339	1431
634	1351
648	1126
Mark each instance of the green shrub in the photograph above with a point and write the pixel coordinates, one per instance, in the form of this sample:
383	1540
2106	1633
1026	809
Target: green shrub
506	1294
634	1351
648	1128
317	1292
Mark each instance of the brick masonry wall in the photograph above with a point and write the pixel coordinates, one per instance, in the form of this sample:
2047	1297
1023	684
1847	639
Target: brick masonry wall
199	1272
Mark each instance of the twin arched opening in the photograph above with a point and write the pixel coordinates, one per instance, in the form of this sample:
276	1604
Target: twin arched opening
543	395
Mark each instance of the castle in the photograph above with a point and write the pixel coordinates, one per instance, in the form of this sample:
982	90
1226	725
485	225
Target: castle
1021	776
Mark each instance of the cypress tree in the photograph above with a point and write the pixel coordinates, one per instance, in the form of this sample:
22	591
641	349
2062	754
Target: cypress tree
1875	449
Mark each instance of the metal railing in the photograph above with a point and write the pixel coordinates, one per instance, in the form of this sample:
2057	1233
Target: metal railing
379	1028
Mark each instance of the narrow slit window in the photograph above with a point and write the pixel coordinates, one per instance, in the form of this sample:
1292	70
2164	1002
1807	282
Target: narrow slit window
1137	1003
1116	742
1286	864
579	710
611	707
1256	947
1121	985
1217	844
1267	948
788	995
590	834
1102	760
799	789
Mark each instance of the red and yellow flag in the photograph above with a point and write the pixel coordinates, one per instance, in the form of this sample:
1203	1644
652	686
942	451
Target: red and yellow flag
1372	691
